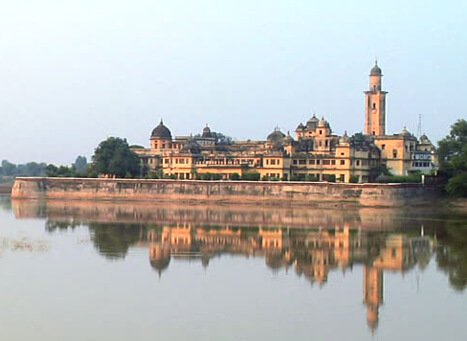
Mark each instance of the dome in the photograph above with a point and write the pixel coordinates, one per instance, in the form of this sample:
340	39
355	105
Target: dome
206	132
192	147
404	132
424	139
376	70
344	138
161	132
323	123
312	122
276	136
300	127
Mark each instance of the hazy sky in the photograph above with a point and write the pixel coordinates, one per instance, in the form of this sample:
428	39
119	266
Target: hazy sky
73	73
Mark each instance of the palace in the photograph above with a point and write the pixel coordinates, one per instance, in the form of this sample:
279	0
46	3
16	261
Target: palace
315	154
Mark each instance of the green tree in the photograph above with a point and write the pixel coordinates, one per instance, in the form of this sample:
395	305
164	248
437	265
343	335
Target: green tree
452	153
81	165
8	168
114	157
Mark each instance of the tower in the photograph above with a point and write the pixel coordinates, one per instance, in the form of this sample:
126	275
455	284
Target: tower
375	104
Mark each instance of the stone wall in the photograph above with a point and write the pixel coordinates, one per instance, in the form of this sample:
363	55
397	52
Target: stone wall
241	192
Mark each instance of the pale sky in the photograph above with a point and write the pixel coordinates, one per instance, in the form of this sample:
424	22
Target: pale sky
73	73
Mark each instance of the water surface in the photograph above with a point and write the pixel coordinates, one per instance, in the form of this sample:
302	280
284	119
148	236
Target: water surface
121	271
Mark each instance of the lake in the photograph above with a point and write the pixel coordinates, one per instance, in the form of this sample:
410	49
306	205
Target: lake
136	271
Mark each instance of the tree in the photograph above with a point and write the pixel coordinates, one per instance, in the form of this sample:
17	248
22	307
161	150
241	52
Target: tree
81	165
114	157
452	153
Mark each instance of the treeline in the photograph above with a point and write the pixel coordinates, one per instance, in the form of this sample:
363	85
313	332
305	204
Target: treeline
9	171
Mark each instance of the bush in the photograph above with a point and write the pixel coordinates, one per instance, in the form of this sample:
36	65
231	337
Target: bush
251	176
234	176
311	177
329	177
353	179
457	185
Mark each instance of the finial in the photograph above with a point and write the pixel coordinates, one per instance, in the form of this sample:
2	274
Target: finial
376	61
161	122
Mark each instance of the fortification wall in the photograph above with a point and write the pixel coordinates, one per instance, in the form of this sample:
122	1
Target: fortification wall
294	193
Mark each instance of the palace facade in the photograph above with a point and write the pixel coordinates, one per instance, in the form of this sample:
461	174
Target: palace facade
315	153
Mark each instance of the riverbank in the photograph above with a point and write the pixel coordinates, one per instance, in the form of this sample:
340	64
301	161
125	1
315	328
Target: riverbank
311	194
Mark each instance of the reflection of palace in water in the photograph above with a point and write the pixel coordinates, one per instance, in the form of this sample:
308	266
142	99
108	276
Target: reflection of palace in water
311	242
311	253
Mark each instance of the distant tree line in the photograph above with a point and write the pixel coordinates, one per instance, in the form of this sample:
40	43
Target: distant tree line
9	170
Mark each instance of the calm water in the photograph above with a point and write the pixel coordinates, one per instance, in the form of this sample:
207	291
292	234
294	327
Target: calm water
113	271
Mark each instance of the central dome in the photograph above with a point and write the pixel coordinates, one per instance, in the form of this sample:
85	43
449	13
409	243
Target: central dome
276	136
161	132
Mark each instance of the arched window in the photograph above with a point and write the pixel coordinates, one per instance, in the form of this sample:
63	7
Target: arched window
374	105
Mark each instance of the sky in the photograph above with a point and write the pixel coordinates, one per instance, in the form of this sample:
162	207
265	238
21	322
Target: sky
73	73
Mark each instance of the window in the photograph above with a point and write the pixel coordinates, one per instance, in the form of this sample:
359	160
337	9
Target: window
394	153
294	162
320	132
383	146
311	162
327	143
318	162
358	163
333	162
326	162
374	105
342	162
302	162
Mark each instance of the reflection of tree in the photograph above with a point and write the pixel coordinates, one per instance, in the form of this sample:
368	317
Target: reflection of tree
5	203
53	226
451	256
113	240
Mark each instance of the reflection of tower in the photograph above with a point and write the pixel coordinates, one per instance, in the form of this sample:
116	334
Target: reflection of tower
373	294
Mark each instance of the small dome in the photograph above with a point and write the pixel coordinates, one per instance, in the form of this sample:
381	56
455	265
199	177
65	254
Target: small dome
300	127
161	132
376	70
206	132
344	138
323	123
276	136
405	132
424	139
